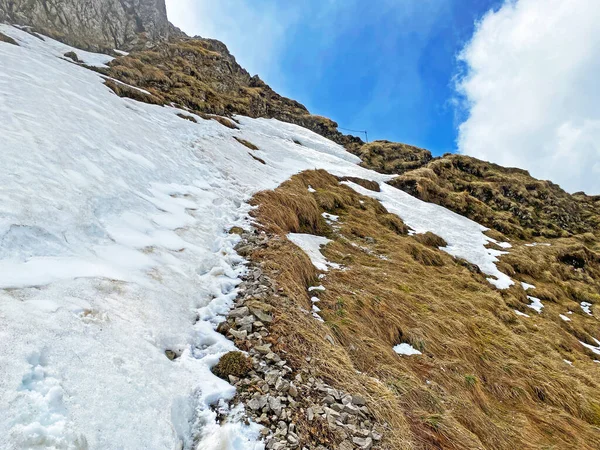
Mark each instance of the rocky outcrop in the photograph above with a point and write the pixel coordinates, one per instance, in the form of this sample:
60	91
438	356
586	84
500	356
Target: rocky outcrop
92	24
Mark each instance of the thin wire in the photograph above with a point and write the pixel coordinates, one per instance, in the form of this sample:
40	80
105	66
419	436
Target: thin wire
366	132
354	131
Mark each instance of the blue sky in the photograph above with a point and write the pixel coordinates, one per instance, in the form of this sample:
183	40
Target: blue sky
527	89
385	66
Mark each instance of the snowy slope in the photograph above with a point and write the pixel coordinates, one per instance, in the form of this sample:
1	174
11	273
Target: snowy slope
113	249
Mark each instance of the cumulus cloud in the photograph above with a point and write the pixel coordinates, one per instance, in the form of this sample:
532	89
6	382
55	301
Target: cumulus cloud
531	90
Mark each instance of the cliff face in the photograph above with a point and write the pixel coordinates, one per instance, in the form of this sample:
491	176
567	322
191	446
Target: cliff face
92	24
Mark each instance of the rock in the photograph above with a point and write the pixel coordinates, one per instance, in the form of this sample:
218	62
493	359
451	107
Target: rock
310	415
358	400
363	443
239	334
239	312
92	24
293	390
275	405
346	445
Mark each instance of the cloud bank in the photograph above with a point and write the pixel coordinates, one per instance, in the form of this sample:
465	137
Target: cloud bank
532	91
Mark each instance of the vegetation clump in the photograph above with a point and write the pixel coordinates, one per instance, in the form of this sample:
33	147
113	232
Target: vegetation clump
233	364
245	143
8	39
72	56
507	200
488	374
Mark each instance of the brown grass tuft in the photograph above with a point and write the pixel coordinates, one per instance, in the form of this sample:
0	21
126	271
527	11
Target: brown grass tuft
245	143
8	39
187	117
122	90
233	363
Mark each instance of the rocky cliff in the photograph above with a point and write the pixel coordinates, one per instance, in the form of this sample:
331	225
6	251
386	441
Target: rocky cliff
92	24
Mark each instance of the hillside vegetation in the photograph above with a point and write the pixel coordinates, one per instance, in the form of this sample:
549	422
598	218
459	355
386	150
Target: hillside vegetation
488	377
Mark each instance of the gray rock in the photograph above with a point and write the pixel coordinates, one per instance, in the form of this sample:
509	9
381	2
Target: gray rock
363	443
93	24
239	312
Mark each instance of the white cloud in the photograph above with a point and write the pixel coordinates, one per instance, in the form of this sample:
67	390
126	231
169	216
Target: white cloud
532	90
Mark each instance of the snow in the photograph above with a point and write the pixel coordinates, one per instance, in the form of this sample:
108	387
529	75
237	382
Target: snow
51	47
527	286
330	217
538	244
565	318
595	349
311	189
311	245
519	313
406	349
113	249
536	304
587	308
465	238
568	362
316	288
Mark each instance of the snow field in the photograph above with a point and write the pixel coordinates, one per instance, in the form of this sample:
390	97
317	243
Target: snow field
113	249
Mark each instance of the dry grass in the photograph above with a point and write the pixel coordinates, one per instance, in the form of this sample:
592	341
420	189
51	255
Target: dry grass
256	158
391	157
246	144
8	39
233	363
487	378
72	56
505	199
123	90
187	117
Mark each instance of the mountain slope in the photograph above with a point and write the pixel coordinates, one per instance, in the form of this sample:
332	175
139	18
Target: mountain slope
117	268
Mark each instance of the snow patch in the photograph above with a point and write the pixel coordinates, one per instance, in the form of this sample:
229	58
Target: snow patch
311	245
519	313
587	308
465	238
406	350
595	349
536	304
565	318
527	286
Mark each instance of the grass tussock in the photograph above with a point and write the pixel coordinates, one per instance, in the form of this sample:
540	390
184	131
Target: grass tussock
233	364
507	200
122	90
256	158
73	57
187	117
246	143
487	377
8	39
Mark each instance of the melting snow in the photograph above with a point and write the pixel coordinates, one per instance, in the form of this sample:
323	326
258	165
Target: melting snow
465	238
311	245
595	349
311	190
113	249
568	362
587	308
527	286
316	288
406	349
519	313
536	304
330	217
565	318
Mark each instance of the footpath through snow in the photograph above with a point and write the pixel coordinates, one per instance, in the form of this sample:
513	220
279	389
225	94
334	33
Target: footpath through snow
113	250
